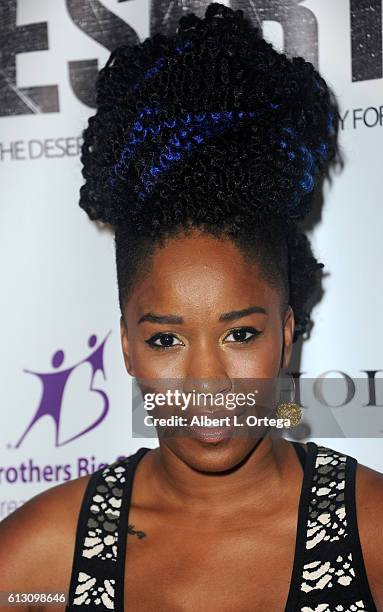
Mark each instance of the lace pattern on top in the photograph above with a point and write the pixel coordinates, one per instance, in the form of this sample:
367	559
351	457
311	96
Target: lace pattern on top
331	579
96	569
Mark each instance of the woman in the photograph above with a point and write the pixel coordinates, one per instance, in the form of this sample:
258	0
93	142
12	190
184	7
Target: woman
203	156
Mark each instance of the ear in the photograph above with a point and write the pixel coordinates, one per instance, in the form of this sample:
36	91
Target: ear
125	346
288	333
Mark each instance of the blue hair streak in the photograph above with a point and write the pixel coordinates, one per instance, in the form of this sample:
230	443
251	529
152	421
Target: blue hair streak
161	62
209	122
309	158
191	130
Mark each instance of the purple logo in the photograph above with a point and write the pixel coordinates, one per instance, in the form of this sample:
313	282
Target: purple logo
53	386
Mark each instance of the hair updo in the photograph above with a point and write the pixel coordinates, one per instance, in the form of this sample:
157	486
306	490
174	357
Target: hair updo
211	128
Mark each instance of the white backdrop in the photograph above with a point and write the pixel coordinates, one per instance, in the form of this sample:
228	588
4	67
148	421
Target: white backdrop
59	293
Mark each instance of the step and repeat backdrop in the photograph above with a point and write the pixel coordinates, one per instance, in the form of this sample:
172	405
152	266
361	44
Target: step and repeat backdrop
65	394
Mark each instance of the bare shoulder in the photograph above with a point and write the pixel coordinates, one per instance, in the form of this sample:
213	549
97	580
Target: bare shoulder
369	508
41	535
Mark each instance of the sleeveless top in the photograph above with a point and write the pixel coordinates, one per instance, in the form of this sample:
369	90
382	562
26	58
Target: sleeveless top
328	571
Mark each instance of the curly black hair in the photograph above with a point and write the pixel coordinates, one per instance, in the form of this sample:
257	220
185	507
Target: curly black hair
211	128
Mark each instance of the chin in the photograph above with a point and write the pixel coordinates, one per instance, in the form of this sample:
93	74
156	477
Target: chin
212	456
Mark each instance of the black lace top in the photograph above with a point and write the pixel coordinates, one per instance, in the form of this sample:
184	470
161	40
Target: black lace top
328	571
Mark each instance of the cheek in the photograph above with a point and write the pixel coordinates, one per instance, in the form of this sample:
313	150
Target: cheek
150	363
262	359
142	362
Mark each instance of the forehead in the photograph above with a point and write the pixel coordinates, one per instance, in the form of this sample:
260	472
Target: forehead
200	272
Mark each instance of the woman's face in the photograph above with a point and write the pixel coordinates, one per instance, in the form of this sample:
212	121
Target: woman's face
205	316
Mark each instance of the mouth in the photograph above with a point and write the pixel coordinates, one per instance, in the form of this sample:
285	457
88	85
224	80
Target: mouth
213	433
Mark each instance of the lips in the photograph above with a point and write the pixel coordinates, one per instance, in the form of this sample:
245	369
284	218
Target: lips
211	434
215	433
216	415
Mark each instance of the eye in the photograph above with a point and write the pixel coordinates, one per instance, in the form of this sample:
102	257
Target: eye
243	334
165	341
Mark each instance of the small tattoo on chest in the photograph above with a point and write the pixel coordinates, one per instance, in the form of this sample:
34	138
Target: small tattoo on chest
132	531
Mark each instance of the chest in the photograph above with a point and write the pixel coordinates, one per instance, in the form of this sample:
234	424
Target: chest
188	569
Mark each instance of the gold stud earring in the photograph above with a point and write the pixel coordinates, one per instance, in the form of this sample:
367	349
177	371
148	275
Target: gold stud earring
290	410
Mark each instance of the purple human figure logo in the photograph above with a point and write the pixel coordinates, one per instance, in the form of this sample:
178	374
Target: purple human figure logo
53	387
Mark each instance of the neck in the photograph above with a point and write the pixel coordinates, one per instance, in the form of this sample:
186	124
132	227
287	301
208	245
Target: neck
250	484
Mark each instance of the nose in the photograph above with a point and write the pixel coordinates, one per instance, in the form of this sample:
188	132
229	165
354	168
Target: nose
206	373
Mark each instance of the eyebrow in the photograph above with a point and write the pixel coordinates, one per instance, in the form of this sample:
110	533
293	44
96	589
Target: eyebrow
177	320
238	314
